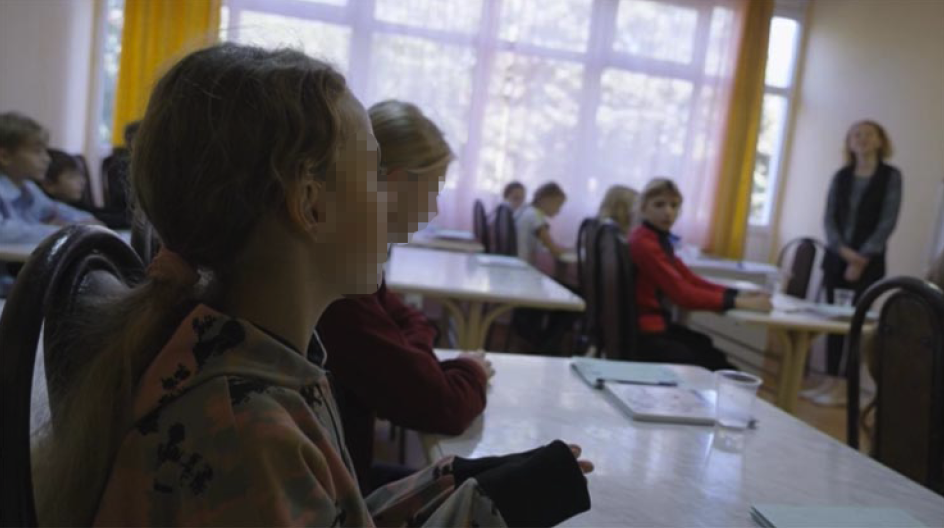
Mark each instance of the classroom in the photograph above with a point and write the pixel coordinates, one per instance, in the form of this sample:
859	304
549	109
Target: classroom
472	263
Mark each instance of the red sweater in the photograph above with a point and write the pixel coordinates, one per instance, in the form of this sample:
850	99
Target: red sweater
661	276
380	352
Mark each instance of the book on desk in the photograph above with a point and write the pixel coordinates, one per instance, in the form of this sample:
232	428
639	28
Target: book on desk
782	516
647	391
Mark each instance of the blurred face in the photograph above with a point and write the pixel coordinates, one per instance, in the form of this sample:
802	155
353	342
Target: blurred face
29	161
864	139
662	210
352	211
413	200
552	205
516	198
68	188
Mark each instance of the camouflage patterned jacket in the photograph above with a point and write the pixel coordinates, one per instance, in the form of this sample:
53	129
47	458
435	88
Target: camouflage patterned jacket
232	427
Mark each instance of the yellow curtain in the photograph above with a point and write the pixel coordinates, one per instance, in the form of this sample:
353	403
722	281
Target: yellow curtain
733	197
154	33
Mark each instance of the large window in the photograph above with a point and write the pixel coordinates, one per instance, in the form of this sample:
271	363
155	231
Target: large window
782	52
588	93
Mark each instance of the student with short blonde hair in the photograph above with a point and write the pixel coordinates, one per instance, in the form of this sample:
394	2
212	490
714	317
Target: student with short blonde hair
662	278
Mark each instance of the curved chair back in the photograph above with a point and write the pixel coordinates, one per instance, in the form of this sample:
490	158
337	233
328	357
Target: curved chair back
66	272
804	253
480	224
909	368
586	271
504	237
615	294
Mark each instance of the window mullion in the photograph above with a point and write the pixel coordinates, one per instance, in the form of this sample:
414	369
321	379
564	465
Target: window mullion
360	16
602	28
485	50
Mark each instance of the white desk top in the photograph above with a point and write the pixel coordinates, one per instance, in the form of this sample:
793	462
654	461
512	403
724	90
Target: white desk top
470	277
731	269
791	313
429	240
651	474
22	252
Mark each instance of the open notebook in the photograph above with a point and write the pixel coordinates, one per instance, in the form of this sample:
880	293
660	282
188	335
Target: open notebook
779	516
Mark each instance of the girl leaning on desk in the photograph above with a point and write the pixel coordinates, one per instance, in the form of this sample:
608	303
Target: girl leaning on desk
663	279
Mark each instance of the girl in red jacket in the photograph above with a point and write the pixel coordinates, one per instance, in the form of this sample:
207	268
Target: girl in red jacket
662	278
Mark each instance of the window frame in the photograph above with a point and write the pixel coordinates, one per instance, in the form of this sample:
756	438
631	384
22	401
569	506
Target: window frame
795	10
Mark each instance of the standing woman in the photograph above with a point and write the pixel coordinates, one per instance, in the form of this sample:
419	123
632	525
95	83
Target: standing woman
861	213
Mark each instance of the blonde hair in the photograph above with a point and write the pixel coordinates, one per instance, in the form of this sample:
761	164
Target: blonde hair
884	152
408	139
658	187
230	134
616	195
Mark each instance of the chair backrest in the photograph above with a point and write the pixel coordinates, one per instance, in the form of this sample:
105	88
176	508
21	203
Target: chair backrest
909	368
66	272
803	254
115	177
586	270
615	294
936	273
504	237
480	224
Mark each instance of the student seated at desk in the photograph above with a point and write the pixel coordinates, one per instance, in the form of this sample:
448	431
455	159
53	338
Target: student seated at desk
381	350
27	215
66	182
514	195
205	400
661	277
533	231
617	206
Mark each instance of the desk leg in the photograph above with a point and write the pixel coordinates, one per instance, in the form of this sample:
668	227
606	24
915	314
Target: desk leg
473	331
794	377
489	319
462	326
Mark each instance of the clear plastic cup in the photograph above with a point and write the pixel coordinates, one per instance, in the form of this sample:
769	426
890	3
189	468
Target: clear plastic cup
843	297
736	394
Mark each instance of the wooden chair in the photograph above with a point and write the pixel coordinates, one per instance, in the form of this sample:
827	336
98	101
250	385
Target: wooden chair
804	253
586	277
69	269
908	433
615	295
504	237
480	224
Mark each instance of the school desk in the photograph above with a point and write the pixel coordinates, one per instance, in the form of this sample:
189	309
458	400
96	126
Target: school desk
501	282
650	474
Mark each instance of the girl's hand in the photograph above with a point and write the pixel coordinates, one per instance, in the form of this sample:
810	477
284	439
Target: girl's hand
585	465
480	361
756	301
